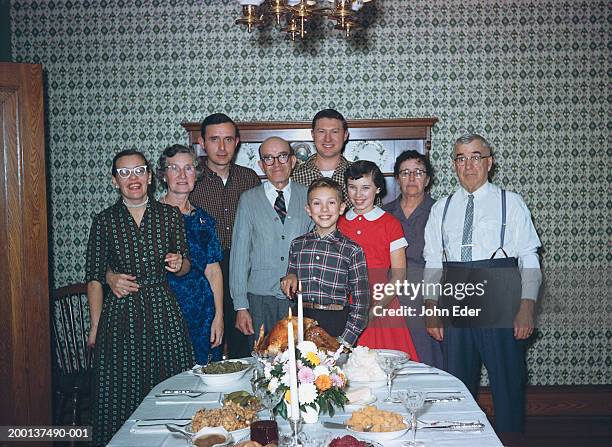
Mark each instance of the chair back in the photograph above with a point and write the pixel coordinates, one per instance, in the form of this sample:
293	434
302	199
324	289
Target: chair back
71	323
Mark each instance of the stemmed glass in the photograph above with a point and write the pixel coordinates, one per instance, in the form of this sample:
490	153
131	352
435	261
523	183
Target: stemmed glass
390	364
268	399
413	401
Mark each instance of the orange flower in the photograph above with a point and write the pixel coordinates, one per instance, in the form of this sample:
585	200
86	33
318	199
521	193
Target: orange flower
323	382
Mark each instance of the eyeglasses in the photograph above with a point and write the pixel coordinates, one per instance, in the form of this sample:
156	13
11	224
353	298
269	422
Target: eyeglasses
269	159
418	173
176	170
138	171
461	159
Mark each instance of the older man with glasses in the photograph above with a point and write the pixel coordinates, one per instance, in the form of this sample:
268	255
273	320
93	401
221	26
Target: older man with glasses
269	217
483	241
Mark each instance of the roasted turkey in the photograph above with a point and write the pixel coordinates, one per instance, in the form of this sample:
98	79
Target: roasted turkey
277	341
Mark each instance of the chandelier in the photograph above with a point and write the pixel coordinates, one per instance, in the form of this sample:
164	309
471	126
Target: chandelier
292	15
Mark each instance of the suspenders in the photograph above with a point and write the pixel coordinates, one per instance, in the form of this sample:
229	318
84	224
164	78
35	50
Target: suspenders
502	231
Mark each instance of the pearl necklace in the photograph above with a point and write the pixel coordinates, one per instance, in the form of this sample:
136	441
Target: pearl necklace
138	205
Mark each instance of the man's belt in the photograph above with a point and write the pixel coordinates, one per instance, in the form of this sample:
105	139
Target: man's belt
316	306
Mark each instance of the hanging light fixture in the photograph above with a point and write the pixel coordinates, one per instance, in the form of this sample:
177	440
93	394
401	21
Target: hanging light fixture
293	15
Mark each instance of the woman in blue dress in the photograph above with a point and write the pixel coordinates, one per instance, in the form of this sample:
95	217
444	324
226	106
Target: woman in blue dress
200	292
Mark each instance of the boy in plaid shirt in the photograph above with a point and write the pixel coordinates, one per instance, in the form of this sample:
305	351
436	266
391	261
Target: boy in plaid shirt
330	267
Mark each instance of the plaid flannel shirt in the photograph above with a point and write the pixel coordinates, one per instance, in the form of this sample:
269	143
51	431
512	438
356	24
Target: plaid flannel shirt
221	201
307	172
330	268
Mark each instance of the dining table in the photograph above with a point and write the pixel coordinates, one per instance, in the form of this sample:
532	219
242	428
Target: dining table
450	403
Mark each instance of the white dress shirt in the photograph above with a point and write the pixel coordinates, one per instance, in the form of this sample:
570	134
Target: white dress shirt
271	193
521	240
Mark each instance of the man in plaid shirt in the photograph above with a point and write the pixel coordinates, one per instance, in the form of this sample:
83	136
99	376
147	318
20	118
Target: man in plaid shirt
217	193
330	267
330	134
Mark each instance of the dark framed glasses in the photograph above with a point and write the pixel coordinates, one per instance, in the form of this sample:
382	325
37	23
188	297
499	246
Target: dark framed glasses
269	159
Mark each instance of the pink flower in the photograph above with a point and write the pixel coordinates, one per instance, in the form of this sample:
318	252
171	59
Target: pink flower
306	375
337	380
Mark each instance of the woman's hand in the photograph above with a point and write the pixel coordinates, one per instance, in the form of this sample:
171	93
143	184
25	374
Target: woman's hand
121	284
216	331
174	262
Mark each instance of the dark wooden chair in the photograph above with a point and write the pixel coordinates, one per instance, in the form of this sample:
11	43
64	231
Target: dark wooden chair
72	358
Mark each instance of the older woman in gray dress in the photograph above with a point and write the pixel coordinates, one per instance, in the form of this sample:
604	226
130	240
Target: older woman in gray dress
414	174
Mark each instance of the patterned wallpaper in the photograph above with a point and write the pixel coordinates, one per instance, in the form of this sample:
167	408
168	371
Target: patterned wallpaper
533	76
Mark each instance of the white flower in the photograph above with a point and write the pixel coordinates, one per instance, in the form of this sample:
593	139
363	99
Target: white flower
284	356
321	370
307	393
285	380
273	384
306	346
267	371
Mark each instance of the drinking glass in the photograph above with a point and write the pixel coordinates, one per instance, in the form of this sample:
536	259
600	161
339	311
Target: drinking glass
413	401
389	364
267	398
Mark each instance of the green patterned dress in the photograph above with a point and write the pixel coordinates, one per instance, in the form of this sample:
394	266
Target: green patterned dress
142	339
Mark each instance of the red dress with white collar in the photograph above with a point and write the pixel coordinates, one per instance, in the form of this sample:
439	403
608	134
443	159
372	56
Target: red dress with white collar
379	233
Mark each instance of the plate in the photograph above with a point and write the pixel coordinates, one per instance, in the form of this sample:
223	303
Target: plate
221	379
390	352
381	435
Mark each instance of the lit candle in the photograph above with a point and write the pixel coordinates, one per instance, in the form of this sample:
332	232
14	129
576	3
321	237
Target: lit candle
293	384
300	311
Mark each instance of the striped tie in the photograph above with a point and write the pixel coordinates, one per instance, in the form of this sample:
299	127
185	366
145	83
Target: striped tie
279	206
466	243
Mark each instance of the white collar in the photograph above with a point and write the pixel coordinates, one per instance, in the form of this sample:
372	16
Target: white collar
371	215
483	189
270	187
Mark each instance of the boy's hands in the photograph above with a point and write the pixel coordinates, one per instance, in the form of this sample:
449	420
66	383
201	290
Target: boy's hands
289	285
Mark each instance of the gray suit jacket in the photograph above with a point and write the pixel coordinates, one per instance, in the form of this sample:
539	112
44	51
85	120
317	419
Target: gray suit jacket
260	243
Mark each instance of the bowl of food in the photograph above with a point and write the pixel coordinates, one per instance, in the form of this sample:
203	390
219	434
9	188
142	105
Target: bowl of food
232	416
377	425
222	373
211	437
350	441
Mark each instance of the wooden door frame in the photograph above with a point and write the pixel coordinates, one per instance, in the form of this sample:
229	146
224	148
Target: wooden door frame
25	348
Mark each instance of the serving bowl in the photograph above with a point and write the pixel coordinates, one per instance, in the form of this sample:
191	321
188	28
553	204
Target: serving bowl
208	431
380	436
217	380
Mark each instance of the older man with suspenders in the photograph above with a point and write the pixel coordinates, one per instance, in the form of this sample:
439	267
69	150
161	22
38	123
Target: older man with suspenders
481	244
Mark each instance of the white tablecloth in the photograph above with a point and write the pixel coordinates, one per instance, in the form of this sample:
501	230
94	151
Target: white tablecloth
130	435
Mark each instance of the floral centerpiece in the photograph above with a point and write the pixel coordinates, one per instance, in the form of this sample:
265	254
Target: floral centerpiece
321	382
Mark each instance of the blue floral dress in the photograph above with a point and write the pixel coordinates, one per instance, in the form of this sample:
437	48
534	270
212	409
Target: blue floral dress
193	291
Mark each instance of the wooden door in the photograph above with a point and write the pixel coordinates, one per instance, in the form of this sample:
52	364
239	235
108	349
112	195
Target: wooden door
25	353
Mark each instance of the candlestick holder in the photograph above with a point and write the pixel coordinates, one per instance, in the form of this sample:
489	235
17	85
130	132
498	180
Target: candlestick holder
296	430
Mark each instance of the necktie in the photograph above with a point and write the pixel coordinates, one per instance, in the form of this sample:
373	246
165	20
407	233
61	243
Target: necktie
279	206
466	243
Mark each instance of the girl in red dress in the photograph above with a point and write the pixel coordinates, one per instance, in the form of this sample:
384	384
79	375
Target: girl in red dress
382	238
